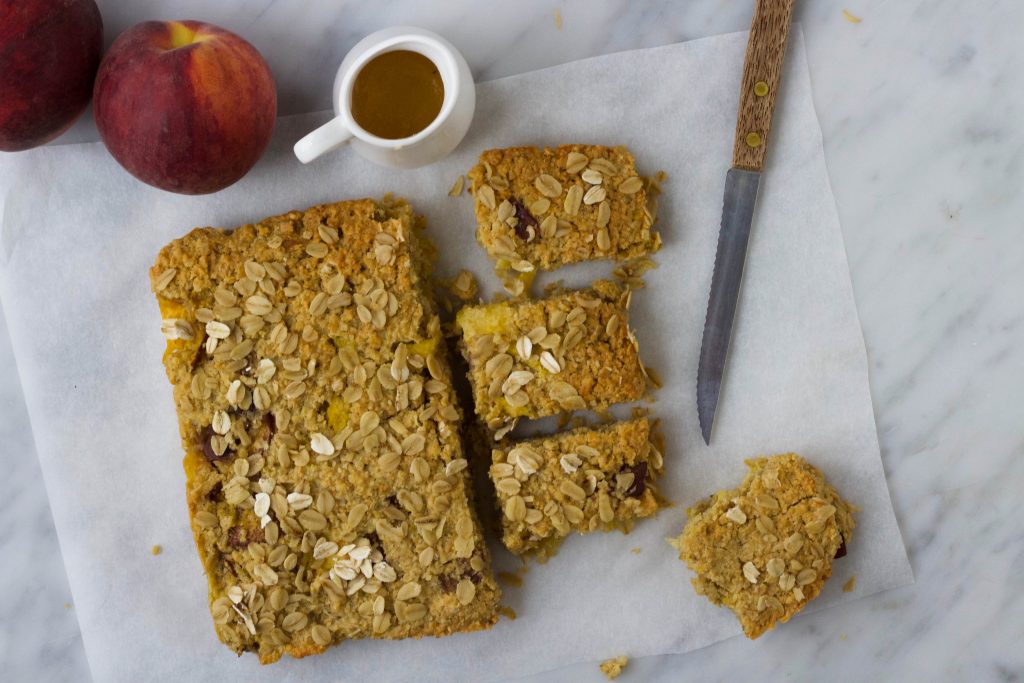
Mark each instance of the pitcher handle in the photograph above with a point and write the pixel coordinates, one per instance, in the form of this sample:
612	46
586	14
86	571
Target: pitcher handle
326	138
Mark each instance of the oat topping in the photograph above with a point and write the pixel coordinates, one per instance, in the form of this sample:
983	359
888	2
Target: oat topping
547	185
575	162
594	195
217	330
326	483
163	279
631	185
176	328
486	196
736	514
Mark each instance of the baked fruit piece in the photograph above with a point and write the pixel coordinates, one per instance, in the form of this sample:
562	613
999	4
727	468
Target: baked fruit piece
765	550
326	484
582	480
545	208
533	358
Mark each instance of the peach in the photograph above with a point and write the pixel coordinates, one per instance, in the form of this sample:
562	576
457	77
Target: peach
184	106
49	52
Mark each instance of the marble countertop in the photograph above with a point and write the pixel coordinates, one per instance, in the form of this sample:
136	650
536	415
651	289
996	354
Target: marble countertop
920	104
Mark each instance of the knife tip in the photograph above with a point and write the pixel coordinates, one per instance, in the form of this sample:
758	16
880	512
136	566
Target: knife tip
707	401
706	418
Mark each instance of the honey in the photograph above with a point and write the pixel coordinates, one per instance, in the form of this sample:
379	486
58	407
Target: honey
397	94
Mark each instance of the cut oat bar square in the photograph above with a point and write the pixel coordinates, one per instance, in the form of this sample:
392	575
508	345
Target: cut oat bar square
326	483
534	358
765	549
582	480
559	205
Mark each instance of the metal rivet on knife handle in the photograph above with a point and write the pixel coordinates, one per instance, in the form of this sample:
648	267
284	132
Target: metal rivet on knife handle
760	88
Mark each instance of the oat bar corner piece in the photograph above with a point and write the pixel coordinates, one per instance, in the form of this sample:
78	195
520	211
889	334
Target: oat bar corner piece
559	205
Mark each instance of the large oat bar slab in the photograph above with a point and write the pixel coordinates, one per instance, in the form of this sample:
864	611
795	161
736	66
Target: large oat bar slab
326	483
554	206
534	358
582	480
765	549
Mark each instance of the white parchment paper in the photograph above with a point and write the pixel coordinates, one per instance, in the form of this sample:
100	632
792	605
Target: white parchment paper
79	234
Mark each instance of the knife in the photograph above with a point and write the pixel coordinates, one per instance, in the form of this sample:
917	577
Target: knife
762	67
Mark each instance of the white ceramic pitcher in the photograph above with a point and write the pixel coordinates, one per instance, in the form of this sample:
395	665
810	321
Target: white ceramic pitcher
432	143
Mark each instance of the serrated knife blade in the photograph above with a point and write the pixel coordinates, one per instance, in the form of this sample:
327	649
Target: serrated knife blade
737	216
762	69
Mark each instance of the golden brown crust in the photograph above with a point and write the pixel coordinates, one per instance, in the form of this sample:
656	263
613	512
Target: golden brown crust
582	480
765	550
559	205
326	485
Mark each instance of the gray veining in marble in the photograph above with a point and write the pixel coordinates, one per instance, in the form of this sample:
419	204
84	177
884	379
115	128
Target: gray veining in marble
921	107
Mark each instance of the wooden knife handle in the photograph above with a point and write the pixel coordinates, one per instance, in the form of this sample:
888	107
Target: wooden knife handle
766	50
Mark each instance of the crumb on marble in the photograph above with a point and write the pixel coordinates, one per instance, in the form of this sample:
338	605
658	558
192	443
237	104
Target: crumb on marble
850	584
558	19
852	18
67	605
507	612
156	550
611	668
635	551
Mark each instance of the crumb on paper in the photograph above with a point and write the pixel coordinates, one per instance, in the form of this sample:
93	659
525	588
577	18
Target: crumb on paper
635	551
852	18
611	668
842	636
510	579
454	292
631	273
653	190
67	605
655	181
457	186
653	377
850	584
464	286
576	421
507	612
156	550
558	19
516	282
553	288
514	578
